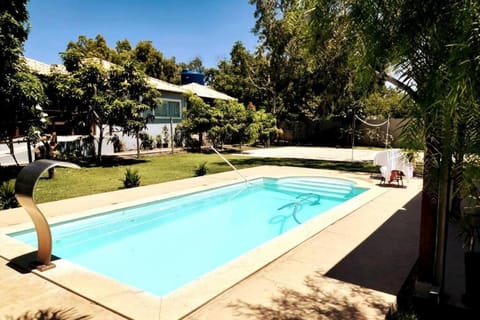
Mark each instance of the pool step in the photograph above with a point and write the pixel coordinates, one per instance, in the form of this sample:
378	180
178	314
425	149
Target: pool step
322	193
319	184
321	187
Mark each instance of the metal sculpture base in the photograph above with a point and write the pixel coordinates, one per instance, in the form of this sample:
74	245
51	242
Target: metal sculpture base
42	267
24	191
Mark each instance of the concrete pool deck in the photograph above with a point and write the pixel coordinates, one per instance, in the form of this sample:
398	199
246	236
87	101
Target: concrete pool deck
350	268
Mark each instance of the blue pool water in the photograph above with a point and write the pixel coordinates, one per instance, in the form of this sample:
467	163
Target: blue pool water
162	245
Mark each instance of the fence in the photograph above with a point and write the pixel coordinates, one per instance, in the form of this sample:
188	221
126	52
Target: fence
334	133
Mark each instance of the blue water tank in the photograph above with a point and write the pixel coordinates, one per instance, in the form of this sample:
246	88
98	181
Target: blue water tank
189	76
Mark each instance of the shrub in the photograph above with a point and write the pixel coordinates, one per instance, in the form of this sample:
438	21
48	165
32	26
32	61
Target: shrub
81	149
132	178
178	136
192	143
7	195
158	140
201	170
146	141
118	145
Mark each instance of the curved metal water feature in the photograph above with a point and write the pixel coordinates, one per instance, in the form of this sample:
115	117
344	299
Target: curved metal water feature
24	189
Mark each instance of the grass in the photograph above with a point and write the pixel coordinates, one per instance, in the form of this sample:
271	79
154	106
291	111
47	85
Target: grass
69	183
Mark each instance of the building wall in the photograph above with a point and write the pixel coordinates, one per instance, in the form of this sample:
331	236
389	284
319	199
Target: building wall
171	97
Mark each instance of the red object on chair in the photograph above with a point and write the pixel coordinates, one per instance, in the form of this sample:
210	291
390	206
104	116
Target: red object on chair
396	175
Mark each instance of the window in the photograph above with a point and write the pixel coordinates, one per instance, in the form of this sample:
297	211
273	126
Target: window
168	108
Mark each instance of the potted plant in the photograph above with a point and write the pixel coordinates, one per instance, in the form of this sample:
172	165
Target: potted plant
166	137
158	141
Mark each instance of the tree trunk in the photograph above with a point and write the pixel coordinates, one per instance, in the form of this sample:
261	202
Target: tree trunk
428	224
200	141
138	144
100	142
171	135
442	215
29	153
428	220
12	150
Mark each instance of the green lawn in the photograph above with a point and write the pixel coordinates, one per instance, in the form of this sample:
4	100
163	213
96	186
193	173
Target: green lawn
70	183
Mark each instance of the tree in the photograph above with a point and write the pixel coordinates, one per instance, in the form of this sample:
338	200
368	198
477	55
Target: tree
434	46
230	122
237	77
267	126
105	95
96	105
123	52
132	99
149	60
85	48
14	32
64	96
153	63
198	118
274	37
113	95
304	75
20	91
387	102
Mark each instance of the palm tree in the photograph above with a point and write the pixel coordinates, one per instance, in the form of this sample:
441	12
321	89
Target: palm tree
433	45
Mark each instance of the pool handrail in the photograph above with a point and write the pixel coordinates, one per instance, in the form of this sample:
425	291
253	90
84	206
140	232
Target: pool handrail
230	164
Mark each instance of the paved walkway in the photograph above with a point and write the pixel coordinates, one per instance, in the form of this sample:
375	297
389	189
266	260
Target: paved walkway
315	153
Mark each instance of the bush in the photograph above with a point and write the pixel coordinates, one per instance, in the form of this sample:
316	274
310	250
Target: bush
132	178
178	136
7	195
81	149
158	140
201	170
192	143
118	145
146	141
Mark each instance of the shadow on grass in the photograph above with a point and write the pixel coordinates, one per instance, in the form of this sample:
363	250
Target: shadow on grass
51	314
316	303
113	161
109	160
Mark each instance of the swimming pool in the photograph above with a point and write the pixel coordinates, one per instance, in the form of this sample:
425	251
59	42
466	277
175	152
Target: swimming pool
267	261
162	245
